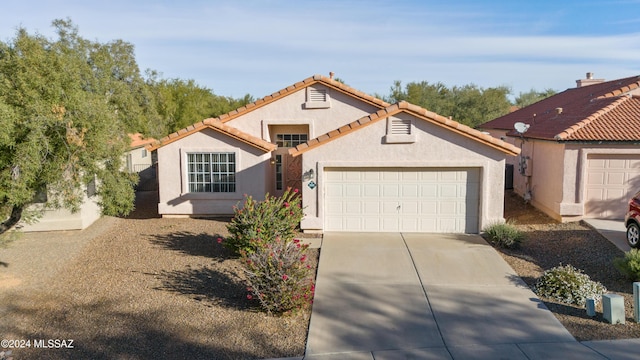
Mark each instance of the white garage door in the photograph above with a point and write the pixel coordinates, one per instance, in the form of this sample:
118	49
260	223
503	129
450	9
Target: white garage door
399	199
611	182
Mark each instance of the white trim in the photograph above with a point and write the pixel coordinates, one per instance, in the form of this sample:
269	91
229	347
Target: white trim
275	122
184	176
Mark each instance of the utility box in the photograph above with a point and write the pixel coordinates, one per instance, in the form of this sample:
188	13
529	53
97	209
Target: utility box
613	308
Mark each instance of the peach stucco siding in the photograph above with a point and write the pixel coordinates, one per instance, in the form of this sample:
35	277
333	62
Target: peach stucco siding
363	139
174	198
558	174
434	147
291	110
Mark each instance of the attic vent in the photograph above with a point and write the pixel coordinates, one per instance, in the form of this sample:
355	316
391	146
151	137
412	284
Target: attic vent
399	131
400	127
317	99
317	95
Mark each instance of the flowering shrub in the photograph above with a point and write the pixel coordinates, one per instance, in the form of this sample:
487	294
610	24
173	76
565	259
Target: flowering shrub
279	276
504	235
629	265
257	223
568	285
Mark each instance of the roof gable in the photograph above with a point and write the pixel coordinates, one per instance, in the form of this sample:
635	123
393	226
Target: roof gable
217	125
327	81
411	109
589	113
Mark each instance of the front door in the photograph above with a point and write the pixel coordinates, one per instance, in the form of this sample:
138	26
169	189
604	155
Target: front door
288	171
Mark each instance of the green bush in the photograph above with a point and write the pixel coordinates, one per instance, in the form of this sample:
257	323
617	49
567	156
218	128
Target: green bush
629	265
505	235
257	223
568	285
279	277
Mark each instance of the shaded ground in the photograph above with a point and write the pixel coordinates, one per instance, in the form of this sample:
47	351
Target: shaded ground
550	244
142	288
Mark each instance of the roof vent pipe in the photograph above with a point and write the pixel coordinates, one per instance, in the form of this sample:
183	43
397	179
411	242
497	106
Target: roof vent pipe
559	110
331	74
589	75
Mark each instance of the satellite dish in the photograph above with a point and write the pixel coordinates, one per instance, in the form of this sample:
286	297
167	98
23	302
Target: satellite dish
521	127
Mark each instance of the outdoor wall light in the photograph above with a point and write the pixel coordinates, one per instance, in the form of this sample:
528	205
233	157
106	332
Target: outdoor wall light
308	175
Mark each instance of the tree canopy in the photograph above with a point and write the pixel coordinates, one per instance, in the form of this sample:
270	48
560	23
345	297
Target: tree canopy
180	103
469	104
66	106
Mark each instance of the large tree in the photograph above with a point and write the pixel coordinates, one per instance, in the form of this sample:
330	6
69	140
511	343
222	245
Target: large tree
533	96
180	103
66	105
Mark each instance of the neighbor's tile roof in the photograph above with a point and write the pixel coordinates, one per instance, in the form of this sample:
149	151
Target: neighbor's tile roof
219	126
138	141
269	99
599	112
415	110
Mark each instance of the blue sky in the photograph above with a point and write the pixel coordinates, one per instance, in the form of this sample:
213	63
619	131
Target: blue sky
259	47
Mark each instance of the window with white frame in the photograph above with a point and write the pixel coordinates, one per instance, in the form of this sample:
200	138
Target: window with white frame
211	172
290	140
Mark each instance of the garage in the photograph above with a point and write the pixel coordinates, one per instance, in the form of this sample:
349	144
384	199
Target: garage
611	181
443	200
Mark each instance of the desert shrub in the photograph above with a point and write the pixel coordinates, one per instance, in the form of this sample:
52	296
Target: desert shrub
279	277
505	235
629	265
257	223
568	285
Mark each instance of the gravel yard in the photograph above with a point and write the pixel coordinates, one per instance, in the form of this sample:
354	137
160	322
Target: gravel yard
142	288
550	244
148	288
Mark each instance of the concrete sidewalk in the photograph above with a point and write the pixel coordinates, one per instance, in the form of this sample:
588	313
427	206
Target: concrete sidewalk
432	296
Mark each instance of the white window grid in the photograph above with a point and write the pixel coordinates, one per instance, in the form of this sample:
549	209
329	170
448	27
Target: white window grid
212	172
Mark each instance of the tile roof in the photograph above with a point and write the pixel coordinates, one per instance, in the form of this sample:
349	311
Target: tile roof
415	110
601	112
327	81
219	126
138	141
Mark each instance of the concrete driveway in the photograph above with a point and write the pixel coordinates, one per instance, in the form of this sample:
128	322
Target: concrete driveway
428	296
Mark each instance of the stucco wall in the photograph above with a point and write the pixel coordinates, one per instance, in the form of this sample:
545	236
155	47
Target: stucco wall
558	175
62	219
252	169
434	147
137	161
291	110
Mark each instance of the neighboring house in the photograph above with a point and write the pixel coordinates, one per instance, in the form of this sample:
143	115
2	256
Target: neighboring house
360	163
63	219
141	160
139	157
580	156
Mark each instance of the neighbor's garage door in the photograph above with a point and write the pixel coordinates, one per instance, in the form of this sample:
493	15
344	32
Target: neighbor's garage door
611	181
396	199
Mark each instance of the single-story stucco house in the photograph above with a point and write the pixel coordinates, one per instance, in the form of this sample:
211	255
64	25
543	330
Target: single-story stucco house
580	156
360	163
